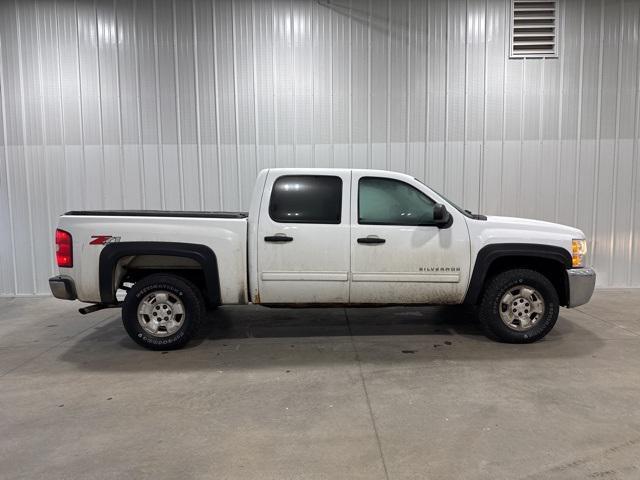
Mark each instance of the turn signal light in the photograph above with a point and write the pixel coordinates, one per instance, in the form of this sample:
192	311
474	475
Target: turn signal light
578	253
64	249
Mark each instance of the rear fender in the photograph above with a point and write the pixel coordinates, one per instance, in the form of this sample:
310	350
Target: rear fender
112	253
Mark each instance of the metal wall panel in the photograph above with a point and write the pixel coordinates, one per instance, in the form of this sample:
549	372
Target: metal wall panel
178	104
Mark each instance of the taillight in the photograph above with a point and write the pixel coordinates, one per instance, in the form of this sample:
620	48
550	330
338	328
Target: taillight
64	249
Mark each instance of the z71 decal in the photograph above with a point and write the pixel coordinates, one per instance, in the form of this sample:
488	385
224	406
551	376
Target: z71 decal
103	239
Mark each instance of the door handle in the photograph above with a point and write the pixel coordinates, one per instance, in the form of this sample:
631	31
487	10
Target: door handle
371	240
278	238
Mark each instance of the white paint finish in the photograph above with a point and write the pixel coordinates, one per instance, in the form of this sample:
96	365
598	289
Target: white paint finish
226	237
319	254
407	267
171	104
519	230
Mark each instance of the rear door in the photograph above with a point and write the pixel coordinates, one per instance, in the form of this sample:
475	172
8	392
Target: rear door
398	255
303	237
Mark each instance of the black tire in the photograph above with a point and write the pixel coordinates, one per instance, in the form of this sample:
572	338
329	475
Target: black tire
490	305
183	290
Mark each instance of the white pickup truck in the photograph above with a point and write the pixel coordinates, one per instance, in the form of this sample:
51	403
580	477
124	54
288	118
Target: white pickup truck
321	237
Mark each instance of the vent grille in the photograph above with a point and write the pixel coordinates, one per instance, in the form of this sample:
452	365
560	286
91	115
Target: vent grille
534	30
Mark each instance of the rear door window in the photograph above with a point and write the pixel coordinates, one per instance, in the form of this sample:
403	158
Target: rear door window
306	199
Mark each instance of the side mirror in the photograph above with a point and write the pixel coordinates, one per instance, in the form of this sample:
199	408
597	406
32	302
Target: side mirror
441	217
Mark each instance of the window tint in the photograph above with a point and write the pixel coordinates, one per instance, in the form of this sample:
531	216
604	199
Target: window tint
306	199
384	201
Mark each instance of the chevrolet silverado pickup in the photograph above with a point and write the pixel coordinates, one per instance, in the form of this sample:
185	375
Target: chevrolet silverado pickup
321	237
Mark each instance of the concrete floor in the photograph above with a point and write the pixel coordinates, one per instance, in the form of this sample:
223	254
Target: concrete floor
277	394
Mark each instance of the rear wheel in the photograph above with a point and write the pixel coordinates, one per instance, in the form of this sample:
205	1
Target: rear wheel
162	312
519	306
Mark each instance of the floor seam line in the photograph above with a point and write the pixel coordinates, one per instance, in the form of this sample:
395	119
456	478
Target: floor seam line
607	322
366	395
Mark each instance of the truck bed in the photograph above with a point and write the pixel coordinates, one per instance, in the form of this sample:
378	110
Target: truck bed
225	233
156	213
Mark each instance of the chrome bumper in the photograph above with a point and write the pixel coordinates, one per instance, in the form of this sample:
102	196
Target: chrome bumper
582	281
63	287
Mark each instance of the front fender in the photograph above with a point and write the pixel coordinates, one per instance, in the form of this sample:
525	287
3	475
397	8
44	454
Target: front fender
490	253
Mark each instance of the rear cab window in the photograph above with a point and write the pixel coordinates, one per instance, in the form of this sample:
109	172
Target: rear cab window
306	199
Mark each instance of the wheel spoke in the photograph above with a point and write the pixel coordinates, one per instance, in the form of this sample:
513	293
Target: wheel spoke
172	326
507	298
537	307
177	308
145	308
527	293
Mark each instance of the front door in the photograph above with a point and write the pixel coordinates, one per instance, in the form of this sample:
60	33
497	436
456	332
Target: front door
303	237
397	254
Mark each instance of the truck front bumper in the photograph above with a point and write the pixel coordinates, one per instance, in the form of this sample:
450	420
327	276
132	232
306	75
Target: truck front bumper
582	281
63	287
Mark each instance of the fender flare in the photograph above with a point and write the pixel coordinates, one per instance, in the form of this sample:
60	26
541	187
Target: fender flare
113	252
490	253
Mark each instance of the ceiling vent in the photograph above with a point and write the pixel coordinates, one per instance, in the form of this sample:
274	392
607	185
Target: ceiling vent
534	29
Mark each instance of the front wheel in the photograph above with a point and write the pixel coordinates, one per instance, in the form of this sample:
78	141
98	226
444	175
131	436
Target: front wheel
162	312
519	306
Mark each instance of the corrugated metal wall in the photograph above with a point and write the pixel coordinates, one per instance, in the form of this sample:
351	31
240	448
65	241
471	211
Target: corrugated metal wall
177	105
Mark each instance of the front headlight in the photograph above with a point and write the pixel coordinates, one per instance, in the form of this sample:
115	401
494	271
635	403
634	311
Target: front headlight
578	252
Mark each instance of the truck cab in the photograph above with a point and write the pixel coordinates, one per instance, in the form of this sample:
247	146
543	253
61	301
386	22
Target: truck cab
355	237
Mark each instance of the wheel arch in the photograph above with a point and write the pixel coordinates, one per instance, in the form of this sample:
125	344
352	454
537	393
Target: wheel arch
549	260
113	253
